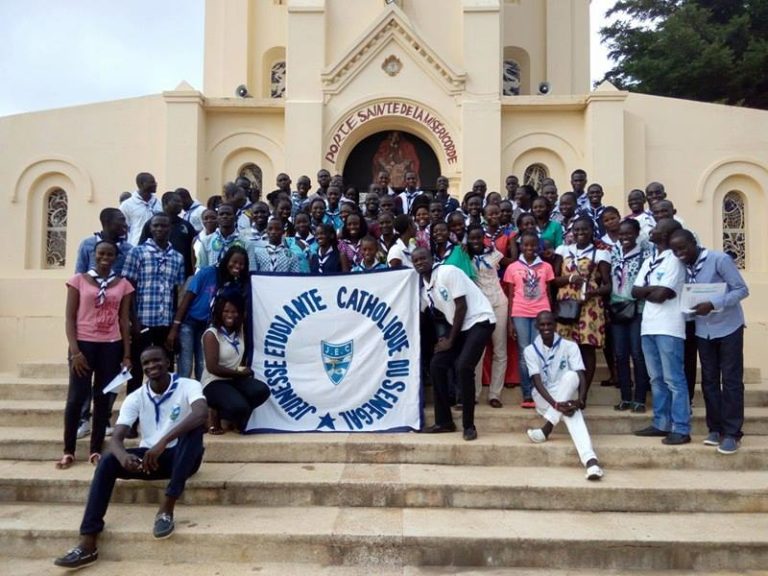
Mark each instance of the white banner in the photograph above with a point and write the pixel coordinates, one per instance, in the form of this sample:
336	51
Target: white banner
338	353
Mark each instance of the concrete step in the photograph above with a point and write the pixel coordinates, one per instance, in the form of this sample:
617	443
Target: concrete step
412	486
190	567
61	370
600	419
44	369
13	387
491	449
402	537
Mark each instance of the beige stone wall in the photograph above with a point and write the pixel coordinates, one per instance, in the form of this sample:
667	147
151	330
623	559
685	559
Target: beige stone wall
450	70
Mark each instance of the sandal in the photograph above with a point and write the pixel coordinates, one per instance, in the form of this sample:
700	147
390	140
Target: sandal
216	430
66	461
94	458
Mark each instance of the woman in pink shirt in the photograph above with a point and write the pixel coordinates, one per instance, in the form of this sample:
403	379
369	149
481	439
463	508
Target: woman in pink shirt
528	294
97	325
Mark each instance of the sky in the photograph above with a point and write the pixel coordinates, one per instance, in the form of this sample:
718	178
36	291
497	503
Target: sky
58	53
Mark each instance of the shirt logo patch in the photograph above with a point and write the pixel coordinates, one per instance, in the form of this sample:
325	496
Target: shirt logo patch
563	364
175	413
443	294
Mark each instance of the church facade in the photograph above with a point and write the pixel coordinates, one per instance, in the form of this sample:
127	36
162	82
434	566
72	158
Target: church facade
467	89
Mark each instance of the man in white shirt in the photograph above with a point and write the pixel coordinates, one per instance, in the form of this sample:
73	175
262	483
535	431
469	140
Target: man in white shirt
141	206
660	283
560	389
193	210
448	291
171	412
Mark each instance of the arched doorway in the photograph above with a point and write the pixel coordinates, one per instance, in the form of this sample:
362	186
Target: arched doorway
395	151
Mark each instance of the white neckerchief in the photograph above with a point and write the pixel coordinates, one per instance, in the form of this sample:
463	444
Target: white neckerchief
693	270
103	283
551	352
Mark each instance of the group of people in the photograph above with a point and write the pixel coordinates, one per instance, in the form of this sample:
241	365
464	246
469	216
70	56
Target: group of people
533	280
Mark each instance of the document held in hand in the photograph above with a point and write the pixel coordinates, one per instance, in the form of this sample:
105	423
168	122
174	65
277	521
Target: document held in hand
694	294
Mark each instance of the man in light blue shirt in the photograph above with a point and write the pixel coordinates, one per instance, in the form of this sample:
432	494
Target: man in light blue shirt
719	338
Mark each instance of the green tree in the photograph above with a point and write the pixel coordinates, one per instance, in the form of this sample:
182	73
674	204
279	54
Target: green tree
707	50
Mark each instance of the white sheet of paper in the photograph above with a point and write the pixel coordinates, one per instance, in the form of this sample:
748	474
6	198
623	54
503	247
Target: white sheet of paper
118	381
694	294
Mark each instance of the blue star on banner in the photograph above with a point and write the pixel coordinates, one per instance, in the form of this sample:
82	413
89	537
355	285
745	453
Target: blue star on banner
326	422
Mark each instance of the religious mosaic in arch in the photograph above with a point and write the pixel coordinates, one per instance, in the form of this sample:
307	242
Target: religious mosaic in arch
534	174
277	78
734	228
57	207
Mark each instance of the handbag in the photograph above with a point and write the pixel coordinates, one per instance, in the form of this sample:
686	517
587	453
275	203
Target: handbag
569	309
623	311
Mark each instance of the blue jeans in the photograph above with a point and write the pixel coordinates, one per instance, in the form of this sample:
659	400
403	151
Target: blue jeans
722	381
191	344
664	360
177	464
626	345
526	334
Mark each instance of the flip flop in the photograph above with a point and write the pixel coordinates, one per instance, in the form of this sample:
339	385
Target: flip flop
216	431
94	458
66	461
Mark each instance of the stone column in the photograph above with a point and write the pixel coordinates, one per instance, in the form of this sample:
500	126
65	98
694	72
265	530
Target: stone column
226	47
480	102
184	140
305	60
605	146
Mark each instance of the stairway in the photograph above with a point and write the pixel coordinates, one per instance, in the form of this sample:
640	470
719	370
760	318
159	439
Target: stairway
400	504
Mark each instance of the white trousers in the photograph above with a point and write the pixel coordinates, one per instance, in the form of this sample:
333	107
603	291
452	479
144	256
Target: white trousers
567	388
499	362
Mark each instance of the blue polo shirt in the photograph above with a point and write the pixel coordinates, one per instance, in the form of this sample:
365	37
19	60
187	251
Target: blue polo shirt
203	286
86	257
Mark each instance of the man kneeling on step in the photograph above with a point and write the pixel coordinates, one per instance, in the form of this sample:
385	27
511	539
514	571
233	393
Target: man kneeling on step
171	412
560	389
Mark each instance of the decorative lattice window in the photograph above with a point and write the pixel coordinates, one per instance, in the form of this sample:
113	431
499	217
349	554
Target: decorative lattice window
253	173
734	228
277	79
511	78
534	174
56	229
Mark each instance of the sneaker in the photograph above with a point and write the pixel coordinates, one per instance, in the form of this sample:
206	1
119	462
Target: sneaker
622	406
528	404
594	472
638	408
651	432
536	435
76	558
675	439
163	526
712	439
470	434
84	430
495	403
729	445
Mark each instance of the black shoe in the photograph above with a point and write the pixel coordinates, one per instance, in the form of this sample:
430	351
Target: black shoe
622	406
164	526
675	438
651	432
440	428
77	558
470	434
638	408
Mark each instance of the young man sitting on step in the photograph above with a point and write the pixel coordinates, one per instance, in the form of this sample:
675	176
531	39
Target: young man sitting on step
171	412
560	388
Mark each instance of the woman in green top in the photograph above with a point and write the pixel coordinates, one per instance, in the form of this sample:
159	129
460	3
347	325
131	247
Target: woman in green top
547	229
447	252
